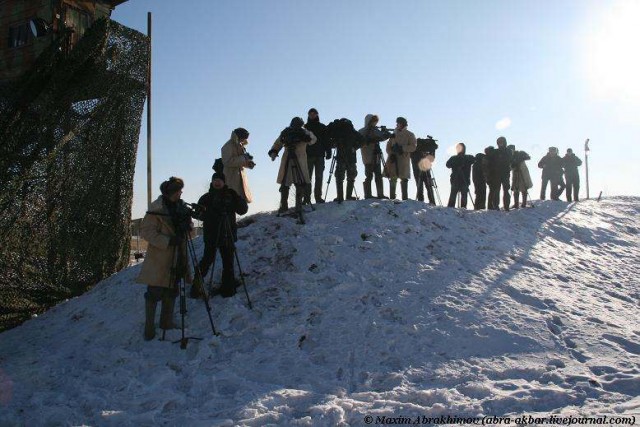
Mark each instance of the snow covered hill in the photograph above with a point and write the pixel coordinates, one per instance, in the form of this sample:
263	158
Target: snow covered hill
373	308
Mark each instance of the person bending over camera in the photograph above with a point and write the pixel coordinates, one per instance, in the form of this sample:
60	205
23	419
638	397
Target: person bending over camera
165	227
217	211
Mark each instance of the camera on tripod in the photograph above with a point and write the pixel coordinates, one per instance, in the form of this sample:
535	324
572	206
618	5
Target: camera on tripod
292	137
181	218
427	146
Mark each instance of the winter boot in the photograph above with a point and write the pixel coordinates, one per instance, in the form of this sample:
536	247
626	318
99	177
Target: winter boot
367	189
228	288
404	187
166	313
340	191
350	191
379	187
516	200
392	189
149	319
306	200
524	200
196	287
284	199
300	189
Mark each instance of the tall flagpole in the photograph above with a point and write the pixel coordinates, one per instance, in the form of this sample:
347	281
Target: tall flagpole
149	114
586	163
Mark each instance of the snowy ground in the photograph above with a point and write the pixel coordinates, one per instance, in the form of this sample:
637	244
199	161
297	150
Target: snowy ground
372	308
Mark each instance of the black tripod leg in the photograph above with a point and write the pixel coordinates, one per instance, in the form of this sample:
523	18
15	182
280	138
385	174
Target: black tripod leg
205	296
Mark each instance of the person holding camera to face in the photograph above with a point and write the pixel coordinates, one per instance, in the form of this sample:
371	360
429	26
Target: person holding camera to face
217	211
235	160
165	227
399	148
293	166
372	155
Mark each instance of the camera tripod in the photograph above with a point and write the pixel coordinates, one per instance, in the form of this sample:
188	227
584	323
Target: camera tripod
430	184
177	277
298	181
228	238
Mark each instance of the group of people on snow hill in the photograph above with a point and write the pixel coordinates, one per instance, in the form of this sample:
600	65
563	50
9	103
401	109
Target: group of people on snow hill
307	145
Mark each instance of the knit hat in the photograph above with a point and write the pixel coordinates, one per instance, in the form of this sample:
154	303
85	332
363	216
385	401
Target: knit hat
401	121
313	110
296	122
218	175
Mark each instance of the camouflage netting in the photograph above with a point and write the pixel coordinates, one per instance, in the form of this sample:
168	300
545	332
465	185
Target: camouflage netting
69	132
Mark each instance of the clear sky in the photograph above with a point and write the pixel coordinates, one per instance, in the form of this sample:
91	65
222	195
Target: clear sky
540	73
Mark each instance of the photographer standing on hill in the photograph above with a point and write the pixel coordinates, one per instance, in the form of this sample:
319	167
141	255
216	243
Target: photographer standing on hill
570	162
520	177
399	148
347	140
235	159
165	227
551	165
460	166
293	166
422	163
372	154
316	154
218	209
498	174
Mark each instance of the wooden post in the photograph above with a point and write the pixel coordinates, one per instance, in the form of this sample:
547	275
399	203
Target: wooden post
586	163
149	183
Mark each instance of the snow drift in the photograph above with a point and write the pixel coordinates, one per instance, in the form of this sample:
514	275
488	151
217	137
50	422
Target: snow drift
373	308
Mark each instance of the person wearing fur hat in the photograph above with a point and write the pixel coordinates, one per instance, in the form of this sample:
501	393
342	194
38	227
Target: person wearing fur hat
399	148
218	209
293	166
166	231
372	155
235	160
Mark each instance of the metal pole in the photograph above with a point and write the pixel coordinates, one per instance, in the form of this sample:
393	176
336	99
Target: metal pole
586	163
149	183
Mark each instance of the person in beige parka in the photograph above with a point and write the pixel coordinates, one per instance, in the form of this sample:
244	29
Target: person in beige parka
235	160
167	247
294	171
399	148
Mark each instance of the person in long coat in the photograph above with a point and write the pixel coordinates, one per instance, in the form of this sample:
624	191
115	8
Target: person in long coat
479	178
570	162
520	177
235	160
165	229
399	148
372	155
293	165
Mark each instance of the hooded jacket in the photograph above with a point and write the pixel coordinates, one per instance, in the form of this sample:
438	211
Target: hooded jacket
233	158
372	138
460	166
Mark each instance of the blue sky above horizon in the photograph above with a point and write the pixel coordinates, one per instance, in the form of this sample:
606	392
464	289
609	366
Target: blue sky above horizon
540	73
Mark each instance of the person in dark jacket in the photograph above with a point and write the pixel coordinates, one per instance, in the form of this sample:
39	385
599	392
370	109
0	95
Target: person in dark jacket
218	209
460	166
479	181
346	140
316	154
422	162
498	174
570	162
551	165
372	156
